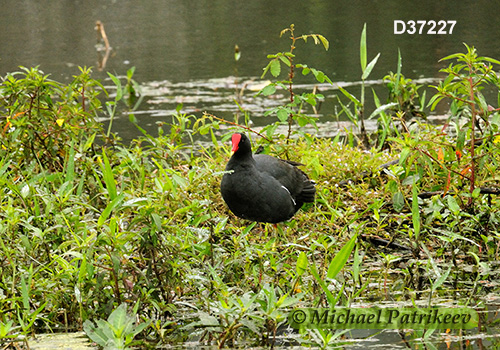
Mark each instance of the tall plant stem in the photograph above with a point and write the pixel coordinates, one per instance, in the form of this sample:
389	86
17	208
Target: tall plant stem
291	75
473	139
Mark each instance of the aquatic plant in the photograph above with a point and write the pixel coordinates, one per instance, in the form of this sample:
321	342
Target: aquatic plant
357	115
118	331
293	110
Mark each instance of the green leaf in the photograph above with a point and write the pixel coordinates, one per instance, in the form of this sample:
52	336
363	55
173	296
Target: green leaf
381	109
109	179
135	201
132	118
398	72
476	192
352	117
369	68
33	316
411	179
109	208
434	101
283	114
488	59
482	101
301	264
268	90
214	138
89	142
350	97
286	60
25	295
462	133
356	264
341	258
320	76
70	165
130	73
415	212
275	68
455	55
324	41
329	296
119	90
94	333
398	201
441	279
453	205
118	317
362	49
207	320
266	68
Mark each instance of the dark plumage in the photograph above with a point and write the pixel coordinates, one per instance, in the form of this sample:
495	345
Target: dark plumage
263	188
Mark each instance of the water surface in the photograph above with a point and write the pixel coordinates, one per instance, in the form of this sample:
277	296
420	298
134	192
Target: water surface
183	51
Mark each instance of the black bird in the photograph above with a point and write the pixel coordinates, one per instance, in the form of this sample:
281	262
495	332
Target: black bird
263	188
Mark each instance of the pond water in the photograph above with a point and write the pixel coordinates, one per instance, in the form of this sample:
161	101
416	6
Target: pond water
183	51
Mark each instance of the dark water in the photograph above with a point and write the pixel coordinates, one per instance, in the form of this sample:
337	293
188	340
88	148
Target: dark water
183	50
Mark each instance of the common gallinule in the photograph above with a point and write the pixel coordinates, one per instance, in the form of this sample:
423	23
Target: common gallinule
263	188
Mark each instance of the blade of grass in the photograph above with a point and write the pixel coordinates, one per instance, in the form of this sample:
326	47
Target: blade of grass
415	213
109	180
341	258
362	49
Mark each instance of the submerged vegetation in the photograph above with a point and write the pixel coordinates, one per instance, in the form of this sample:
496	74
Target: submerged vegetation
88	225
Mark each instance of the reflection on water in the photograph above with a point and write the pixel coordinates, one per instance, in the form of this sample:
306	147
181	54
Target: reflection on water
227	97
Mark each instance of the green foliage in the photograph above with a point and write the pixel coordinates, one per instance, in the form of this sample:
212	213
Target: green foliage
341	258
357	114
42	119
130	94
117	332
464	155
405	93
5	329
293	110
463	86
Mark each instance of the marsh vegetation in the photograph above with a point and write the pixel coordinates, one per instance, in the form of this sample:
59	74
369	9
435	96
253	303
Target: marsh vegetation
92	229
